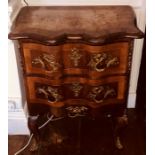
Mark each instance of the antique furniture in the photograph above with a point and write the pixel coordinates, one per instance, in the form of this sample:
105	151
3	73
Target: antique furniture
76	60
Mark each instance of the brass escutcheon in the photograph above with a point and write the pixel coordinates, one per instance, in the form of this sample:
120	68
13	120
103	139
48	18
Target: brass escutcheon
75	56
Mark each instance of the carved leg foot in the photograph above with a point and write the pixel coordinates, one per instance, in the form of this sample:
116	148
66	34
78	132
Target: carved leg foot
120	123
34	145
118	143
33	126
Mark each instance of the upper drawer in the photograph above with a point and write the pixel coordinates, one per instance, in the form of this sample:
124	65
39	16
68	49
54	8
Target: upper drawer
76	59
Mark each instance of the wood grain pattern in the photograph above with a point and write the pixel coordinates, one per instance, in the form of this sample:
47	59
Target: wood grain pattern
64	87
92	61
31	52
93	25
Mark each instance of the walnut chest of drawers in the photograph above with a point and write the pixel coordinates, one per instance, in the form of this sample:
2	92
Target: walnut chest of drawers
76	60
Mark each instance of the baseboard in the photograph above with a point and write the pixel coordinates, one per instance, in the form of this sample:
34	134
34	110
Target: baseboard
134	3
131	100
17	121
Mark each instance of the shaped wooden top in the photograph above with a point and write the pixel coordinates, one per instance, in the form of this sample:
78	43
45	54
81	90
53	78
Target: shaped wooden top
91	24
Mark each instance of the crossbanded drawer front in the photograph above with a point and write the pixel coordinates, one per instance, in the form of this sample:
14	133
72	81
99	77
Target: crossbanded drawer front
73	90
42	60
76	59
96	61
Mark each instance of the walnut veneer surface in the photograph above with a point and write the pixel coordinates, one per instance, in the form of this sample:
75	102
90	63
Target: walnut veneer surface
76	61
92	24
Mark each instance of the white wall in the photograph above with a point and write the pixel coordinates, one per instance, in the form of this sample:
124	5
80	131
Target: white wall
139	7
17	122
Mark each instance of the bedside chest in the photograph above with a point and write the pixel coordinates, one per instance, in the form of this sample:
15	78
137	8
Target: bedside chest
76	61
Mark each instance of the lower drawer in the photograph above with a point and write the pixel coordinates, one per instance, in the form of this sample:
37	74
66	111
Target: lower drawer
76	91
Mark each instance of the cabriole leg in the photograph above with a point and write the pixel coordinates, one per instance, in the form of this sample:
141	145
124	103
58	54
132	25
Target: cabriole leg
33	127
120	123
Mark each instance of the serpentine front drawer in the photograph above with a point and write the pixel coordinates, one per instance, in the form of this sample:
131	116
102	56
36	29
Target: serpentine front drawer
76	59
74	90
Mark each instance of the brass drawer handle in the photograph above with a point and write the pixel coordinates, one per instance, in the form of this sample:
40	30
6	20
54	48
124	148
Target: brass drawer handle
54	93
101	90
102	59
39	61
49	93
108	92
98	101
42	91
47	62
111	62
